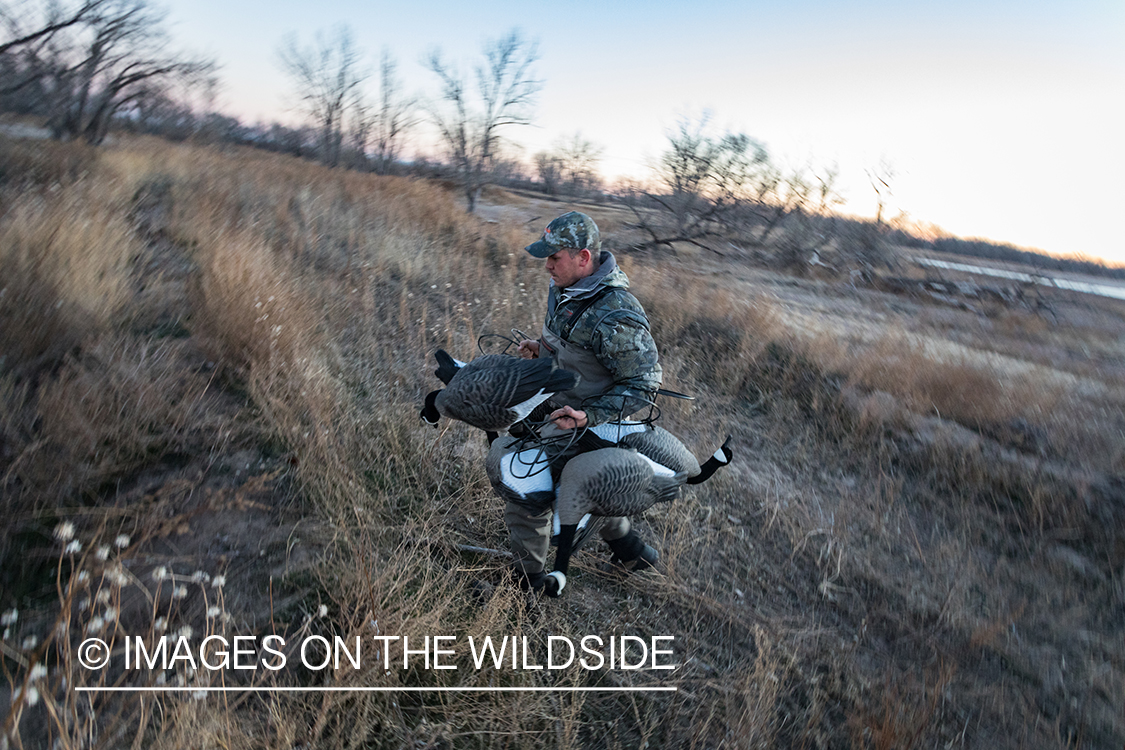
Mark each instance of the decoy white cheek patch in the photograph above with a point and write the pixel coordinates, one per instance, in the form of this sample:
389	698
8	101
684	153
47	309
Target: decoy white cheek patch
720	456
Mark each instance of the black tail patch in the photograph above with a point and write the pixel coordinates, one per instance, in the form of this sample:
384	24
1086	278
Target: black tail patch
447	366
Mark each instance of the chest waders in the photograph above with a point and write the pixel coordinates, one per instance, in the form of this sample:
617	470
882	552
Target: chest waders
593	378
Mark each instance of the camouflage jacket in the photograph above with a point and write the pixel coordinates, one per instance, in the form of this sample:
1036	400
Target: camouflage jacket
599	315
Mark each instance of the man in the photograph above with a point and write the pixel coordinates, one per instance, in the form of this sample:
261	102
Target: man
598	330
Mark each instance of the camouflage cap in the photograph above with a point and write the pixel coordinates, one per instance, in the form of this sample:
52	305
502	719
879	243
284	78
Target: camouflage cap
574	230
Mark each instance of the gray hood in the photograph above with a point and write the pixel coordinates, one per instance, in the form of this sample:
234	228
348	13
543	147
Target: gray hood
607	275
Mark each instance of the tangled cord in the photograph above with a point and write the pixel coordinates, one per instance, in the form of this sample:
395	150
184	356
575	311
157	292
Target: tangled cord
550	449
515	339
547	450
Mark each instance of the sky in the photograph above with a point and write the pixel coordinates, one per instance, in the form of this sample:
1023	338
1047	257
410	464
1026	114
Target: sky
996	119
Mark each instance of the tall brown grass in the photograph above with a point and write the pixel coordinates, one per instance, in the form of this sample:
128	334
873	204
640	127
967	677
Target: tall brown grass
66	258
320	295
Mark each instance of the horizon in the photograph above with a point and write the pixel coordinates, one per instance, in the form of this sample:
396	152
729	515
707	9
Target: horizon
984	114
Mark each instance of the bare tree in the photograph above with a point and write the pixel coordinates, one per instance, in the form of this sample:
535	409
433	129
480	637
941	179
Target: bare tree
793	200
705	182
549	169
55	19
870	247
327	75
801	205
571	166
580	159
378	129
93	60
470	119
358	132
124	58
716	189
396	116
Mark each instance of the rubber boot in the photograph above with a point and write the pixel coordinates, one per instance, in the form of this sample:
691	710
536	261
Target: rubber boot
632	554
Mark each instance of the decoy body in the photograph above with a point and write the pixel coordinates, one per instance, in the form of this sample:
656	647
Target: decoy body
628	468
495	391
648	465
659	445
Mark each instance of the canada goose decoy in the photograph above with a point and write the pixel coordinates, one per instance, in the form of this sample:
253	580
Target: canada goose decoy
659	445
648	465
523	475
495	391
606	482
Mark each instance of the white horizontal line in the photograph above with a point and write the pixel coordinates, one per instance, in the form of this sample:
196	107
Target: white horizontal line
375	689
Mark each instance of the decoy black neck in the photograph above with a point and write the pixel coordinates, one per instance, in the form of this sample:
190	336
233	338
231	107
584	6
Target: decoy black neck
566	544
713	464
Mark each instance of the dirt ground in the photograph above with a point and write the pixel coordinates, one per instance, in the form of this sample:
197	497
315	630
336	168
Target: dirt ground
976	632
1001	635
900	575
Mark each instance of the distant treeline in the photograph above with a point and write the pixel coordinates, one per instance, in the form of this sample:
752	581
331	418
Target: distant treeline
1008	253
162	116
180	123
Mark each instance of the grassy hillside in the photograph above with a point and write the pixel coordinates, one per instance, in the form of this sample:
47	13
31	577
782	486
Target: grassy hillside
212	367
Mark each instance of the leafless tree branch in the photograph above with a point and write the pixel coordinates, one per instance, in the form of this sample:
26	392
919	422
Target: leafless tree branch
470	122
327	75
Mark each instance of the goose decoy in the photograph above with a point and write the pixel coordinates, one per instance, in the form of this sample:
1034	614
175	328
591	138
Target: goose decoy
659	445
606	482
524	476
647	465
495	391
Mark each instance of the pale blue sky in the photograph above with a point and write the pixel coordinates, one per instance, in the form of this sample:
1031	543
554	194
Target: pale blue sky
1000	119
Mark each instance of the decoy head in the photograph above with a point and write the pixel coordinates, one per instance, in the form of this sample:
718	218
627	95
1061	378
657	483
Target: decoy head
725	454
430	414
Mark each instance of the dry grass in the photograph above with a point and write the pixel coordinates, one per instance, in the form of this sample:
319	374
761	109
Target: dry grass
711	336
802	584
32	164
66	261
120	405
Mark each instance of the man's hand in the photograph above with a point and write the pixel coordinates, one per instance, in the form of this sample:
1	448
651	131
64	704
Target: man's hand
528	349
568	418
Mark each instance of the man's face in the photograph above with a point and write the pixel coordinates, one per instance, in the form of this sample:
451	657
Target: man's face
566	269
